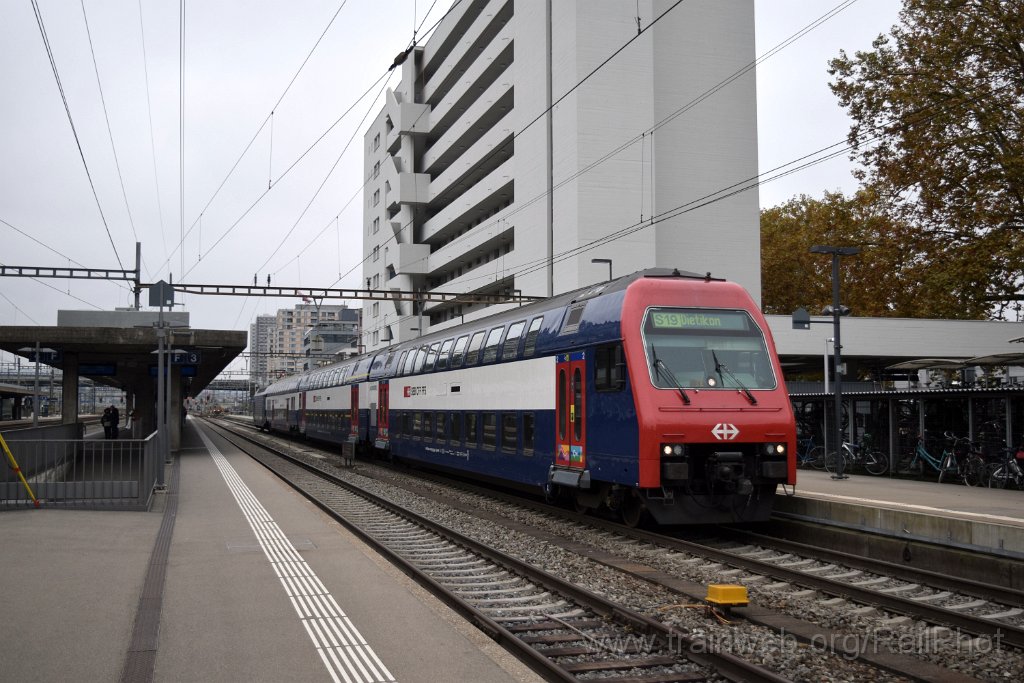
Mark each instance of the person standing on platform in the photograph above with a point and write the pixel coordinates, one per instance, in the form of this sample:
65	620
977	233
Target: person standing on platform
105	421
115	421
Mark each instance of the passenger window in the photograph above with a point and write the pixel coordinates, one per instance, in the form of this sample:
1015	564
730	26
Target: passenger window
456	429
441	430
474	348
421	357
428	426
471	429
442	360
511	347
491	348
531	337
490	430
410	362
417	423
431	357
460	351
401	363
508	432
609	368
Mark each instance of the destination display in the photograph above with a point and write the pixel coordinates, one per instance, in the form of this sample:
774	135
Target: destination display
678	319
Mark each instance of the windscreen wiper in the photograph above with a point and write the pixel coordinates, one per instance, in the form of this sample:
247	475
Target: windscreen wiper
660	367
722	367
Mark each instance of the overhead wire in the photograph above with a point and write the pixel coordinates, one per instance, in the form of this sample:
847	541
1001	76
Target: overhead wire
259	130
152	140
106	118
639	137
819	156
71	121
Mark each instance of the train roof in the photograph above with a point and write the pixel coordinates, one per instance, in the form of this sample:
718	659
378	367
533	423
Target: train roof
558	302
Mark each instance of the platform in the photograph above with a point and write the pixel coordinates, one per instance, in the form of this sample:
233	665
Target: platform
73	581
971	518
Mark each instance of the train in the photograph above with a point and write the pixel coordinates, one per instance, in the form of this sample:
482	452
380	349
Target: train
654	395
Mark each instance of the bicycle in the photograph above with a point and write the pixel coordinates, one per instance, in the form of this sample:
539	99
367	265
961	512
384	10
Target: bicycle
809	455
1008	470
873	460
970	466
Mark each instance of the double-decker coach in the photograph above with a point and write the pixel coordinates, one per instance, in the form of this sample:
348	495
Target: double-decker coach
657	393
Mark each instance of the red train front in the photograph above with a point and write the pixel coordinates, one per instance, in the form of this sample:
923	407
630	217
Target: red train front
716	427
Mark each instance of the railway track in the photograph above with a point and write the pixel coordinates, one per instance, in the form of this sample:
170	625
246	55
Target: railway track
559	629
812	598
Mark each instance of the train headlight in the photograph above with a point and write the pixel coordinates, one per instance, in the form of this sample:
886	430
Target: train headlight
775	449
672	449
712	382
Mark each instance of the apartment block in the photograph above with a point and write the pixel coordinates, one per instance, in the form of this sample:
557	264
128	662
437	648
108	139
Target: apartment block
518	147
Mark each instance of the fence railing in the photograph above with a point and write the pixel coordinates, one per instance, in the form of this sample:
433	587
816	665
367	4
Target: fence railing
115	474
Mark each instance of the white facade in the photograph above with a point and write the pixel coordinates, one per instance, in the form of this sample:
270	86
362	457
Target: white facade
490	171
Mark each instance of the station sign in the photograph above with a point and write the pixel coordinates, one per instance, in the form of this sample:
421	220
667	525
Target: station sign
186	357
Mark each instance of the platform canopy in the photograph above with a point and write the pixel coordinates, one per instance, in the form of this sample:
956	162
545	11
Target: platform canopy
930	364
997	359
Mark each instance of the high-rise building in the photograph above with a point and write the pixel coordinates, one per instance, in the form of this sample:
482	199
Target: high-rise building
517	148
281	343
261	333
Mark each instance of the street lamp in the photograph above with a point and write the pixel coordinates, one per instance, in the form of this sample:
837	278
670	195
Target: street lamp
604	260
837	310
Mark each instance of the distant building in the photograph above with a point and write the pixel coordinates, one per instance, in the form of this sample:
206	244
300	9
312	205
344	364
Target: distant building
485	176
281	343
261	334
329	341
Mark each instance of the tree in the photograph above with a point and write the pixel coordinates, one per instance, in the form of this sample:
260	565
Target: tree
901	271
938	110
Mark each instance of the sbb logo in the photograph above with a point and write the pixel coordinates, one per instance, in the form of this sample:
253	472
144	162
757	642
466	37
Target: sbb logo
415	391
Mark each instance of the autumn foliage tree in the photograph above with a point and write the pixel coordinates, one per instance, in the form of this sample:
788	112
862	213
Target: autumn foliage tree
901	271
938	128
938	112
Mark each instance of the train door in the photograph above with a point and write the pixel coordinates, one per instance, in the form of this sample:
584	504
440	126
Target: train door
302	412
570	410
383	390
353	433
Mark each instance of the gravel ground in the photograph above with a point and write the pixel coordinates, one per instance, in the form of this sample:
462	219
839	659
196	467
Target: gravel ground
984	659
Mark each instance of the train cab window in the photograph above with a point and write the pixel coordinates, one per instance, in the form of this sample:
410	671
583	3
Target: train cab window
509	432
431	357
399	369
609	368
456	429
471	429
417	423
442	359
528	431
491	348
441	426
473	355
459	353
489	430
510	349
531	337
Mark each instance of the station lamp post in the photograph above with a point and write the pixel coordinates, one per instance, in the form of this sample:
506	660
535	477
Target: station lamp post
837	310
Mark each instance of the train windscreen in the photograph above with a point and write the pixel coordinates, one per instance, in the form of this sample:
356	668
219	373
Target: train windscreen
694	348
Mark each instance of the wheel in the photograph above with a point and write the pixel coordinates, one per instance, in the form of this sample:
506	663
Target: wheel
948	465
876	463
816	458
998	476
632	511
832	461
974	470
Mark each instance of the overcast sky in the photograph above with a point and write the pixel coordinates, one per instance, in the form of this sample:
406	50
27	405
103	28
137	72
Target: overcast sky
239	59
